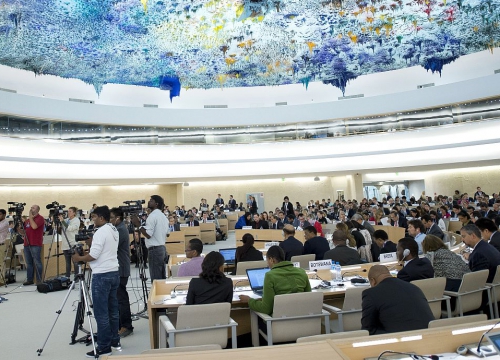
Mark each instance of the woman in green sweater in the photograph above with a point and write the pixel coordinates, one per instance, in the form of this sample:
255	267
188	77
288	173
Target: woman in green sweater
283	278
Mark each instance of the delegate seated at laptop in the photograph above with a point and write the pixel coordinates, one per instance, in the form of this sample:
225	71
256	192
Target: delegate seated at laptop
283	278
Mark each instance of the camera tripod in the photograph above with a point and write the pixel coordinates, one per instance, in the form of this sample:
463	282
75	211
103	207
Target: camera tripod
143	277
83	309
55	238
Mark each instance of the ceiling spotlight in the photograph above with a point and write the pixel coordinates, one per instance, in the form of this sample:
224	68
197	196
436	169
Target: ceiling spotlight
316	178
186	184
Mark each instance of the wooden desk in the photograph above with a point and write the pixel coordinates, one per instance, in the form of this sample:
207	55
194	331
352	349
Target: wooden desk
175	242
207	233
224	225
263	236
232	218
191	232
394	233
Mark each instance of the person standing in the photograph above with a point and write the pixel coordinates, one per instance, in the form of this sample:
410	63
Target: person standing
155	232
71	227
125	323
33	242
103	260
232	203
4	226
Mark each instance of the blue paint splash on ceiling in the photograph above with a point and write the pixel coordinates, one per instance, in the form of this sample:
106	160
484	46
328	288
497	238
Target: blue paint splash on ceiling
231	43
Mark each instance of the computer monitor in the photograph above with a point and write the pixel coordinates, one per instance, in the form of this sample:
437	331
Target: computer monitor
229	255
256	278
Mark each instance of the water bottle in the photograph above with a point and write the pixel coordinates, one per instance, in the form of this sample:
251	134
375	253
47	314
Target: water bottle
334	270
338	270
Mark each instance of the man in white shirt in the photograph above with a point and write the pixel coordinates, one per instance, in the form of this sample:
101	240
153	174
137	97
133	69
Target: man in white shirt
4	226
103	260
71	226
155	232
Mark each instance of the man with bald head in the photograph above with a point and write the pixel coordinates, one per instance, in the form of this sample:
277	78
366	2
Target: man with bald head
33	242
393	305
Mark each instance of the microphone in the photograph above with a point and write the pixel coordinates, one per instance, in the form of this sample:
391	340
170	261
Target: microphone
327	283
413	356
482	337
352	272
237	282
173	295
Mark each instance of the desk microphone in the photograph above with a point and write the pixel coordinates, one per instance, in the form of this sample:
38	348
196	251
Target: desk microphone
328	283
352	272
482	337
237	282
173	295
413	356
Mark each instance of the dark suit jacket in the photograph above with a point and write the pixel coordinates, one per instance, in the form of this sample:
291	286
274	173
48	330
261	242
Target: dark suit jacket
262	224
219	201
389	247
394	305
195	222
232	204
344	255
317	245
484	256
436	231
402	222
292	247
495	240
202	292
278	226
418	268
177	227
287	209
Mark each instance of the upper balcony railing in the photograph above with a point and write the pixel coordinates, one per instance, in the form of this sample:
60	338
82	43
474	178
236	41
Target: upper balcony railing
479	110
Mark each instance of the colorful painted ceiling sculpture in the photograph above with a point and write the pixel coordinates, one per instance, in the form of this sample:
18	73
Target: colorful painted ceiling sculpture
205	44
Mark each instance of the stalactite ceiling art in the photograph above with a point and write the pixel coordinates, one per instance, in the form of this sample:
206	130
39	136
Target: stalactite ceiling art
203	44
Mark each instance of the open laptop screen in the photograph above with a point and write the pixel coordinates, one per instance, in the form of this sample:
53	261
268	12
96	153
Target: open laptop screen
229	255
256	278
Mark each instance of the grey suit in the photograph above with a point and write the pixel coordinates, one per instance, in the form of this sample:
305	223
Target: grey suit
436	231
368	227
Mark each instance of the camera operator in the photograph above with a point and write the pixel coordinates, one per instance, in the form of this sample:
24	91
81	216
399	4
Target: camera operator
71	226
33	242
155	232
116	219
103	260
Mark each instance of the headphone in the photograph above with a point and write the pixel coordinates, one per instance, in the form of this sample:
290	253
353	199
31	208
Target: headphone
406	252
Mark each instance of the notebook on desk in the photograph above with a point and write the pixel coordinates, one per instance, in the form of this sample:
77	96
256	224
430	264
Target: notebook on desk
256	279
229	255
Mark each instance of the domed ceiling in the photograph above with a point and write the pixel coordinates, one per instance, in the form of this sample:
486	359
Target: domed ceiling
171	44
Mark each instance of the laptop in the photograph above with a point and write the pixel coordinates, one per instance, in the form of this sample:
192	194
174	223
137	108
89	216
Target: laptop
256	279
229	255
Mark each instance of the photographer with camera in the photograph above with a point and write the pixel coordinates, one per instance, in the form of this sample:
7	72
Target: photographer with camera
103	260
155	232
71	227
33	242
116	219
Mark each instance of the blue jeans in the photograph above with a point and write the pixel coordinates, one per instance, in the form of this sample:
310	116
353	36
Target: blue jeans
105	302
35	260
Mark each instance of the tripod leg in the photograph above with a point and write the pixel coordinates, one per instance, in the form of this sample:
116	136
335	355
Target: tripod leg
58	312
85	293
79	317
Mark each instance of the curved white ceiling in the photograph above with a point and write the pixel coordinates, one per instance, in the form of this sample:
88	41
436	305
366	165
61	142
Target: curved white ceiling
49	162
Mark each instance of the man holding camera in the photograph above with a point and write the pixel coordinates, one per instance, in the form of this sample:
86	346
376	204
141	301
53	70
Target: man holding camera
71	227
116	219
33	242
103	260
155	232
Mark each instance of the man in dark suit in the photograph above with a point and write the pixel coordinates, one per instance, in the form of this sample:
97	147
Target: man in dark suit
192	221
287	206
414	268
219	201
392	305
484	256
489	232
257	223
232	203
431	227
398	220
301	222
291	246
383	242
315	244
341	253
275	223
172	225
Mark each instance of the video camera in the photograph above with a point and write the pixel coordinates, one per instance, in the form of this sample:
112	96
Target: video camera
84	235
16	207
54	205
133	206
77	249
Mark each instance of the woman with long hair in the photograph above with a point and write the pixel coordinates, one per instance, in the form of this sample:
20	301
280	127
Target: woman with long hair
212	286
350	238
247	252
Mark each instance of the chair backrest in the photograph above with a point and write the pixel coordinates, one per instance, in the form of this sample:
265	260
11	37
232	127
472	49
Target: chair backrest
183	349
298	304
174	269
334	336
495	291
433	289
352	301
470	282
303	260
457	320
496	279
241	267
447	223
200	316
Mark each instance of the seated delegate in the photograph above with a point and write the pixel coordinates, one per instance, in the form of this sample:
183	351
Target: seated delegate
247	252
193	252
414	268
283	278
212	286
